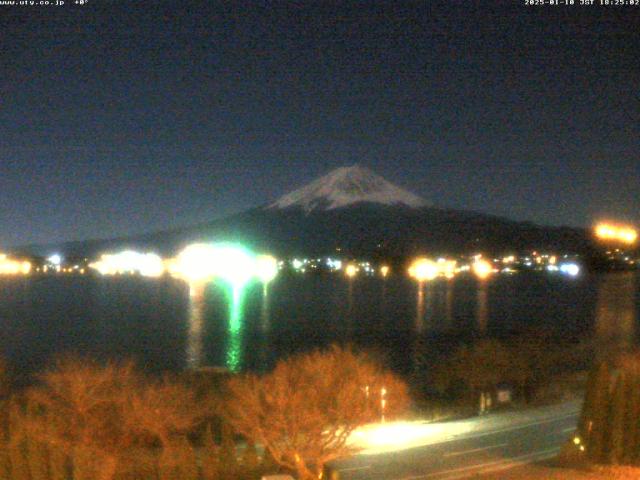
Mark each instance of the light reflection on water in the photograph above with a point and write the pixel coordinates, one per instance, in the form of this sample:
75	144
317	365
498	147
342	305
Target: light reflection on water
420	308
236	326
163	325
438	307
234	296
195	326
264	309
482	306
448	302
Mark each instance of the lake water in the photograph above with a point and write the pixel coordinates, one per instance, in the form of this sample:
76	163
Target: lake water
166	325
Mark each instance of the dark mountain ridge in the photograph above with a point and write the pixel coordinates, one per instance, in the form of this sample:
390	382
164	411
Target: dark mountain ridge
353	211
363	229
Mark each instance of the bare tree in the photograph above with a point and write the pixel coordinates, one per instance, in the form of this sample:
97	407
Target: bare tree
100	414
304	411
78	408
479	367
4	380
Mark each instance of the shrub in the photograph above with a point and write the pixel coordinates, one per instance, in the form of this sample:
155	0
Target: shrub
304	411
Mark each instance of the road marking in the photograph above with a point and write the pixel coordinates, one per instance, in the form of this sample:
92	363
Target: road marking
354	469
454	454
542	455
488	467
567	430
510	429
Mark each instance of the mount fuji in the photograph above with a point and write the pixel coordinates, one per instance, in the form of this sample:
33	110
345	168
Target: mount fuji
345	187
356	212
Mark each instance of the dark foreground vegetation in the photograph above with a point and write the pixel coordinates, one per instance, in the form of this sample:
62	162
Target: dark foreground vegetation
609	429
536	367
82	420
86	421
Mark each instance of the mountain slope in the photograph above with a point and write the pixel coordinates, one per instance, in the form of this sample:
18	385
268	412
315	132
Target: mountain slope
361	214
347	186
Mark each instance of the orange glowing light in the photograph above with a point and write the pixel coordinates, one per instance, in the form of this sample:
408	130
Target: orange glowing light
423	269
447	268
351	270
482	269
617	233
9	266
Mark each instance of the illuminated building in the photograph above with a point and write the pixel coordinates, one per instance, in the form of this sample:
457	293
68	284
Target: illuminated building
482	268
10	266
127	262
616	233
351	270
423	269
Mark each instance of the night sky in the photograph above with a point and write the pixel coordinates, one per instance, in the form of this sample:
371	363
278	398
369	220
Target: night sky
125	117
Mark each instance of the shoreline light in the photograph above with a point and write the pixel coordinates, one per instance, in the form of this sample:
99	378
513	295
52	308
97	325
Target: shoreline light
447	268
233	264
619	233
570	269
129	261
194	263
55	259
10	266
351	270
482	268
423	269
266	268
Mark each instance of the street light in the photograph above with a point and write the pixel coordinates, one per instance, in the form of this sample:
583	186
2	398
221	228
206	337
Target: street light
482	269
351	271
423	269
617	233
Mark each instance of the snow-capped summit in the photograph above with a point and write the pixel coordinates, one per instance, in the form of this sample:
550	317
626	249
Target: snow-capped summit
347	186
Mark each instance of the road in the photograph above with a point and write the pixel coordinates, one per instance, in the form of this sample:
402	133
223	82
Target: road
486	445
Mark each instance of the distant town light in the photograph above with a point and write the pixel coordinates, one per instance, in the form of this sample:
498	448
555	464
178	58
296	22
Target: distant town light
233	264
195	263
618	233
481	268
334	264
351	270
570	269
55	259
9	266
423	269
266	268
128	261
384	270
447	268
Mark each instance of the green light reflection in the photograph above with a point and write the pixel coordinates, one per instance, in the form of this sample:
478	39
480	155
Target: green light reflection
236	317
264	310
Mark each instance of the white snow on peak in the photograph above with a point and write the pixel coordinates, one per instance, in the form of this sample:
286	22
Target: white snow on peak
347	186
